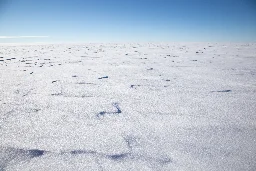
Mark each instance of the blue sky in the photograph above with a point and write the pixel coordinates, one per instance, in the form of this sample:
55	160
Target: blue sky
127	20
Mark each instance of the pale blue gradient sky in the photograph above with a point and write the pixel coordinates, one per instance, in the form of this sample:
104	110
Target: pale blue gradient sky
127	21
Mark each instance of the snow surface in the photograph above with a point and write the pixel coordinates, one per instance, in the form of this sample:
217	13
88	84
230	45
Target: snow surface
176	106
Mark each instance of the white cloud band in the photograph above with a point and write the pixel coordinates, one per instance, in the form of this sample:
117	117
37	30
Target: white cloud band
22	37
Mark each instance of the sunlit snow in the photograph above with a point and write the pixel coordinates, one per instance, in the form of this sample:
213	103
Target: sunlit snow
147	106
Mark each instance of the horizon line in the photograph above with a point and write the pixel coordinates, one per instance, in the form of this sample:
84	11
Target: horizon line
22	37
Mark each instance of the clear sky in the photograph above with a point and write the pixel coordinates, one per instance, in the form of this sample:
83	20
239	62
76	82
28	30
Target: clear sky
127	20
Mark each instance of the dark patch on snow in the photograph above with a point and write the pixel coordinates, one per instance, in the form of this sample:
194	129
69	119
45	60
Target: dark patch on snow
76	152
118	156
35	153
150	69
56	94
102	113
116	105
85	83
27	93
164	160
103	77
222	91
21	154
131	141
115	157
118	111
133	86
33	110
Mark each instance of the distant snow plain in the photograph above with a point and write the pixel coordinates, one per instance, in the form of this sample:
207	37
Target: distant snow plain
138	106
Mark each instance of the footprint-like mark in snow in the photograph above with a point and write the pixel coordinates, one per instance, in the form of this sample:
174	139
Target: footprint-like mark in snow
118	110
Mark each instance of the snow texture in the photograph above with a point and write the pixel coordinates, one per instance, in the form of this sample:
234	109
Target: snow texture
146	106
